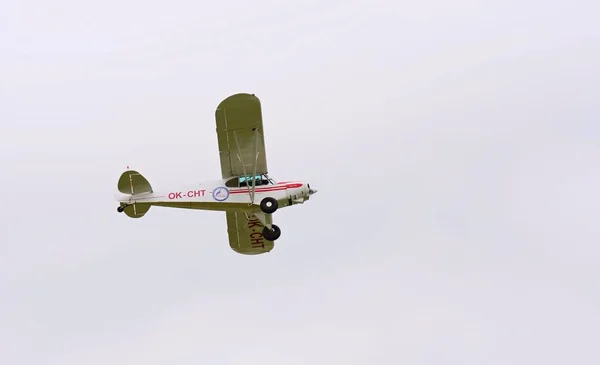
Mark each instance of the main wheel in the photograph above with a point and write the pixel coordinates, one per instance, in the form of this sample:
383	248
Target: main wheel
271	235
269	205
120	209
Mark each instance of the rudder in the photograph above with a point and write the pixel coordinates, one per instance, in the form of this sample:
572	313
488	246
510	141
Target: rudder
132	182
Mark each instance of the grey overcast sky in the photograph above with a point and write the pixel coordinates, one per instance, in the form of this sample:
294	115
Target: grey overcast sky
455	146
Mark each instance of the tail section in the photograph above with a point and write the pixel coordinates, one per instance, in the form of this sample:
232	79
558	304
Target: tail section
135	210
132	183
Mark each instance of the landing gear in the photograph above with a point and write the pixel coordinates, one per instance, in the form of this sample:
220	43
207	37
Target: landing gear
121	208
271	234
269	205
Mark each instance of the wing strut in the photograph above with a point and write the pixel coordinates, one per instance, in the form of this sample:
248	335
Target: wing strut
251	190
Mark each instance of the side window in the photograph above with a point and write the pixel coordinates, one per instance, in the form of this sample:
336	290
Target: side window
232	183
244	181
261	180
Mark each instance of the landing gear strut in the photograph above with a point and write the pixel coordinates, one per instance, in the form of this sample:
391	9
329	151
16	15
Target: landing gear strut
271	234
121	208
268	206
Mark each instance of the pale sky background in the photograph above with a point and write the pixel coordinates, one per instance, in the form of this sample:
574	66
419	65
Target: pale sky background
455	146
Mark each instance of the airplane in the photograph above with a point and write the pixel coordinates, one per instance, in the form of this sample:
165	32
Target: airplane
246	192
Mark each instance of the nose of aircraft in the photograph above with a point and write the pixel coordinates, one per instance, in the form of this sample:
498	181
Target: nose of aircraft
312	191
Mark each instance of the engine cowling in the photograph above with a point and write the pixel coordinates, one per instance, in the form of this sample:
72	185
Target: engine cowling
298	192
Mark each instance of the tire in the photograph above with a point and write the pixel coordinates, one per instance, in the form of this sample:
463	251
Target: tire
269	205
271	235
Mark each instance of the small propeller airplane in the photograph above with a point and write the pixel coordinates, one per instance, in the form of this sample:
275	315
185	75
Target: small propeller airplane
245	192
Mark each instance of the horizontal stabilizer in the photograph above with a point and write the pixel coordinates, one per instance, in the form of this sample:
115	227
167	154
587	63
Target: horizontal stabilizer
136	210
132	182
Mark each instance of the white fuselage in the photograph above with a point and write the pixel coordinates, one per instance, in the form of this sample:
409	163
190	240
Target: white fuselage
214	195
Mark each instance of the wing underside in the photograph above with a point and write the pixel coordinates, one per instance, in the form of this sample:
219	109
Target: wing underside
245	235
240	136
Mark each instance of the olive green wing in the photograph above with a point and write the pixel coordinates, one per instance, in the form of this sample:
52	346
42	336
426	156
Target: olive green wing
240	136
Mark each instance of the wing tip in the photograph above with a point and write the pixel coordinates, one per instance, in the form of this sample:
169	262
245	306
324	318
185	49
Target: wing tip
239	97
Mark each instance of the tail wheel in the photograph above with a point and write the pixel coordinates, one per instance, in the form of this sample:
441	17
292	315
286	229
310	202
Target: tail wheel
269	205
271	234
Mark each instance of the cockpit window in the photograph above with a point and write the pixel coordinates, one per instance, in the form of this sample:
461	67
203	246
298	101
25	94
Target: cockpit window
259	180
232	183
